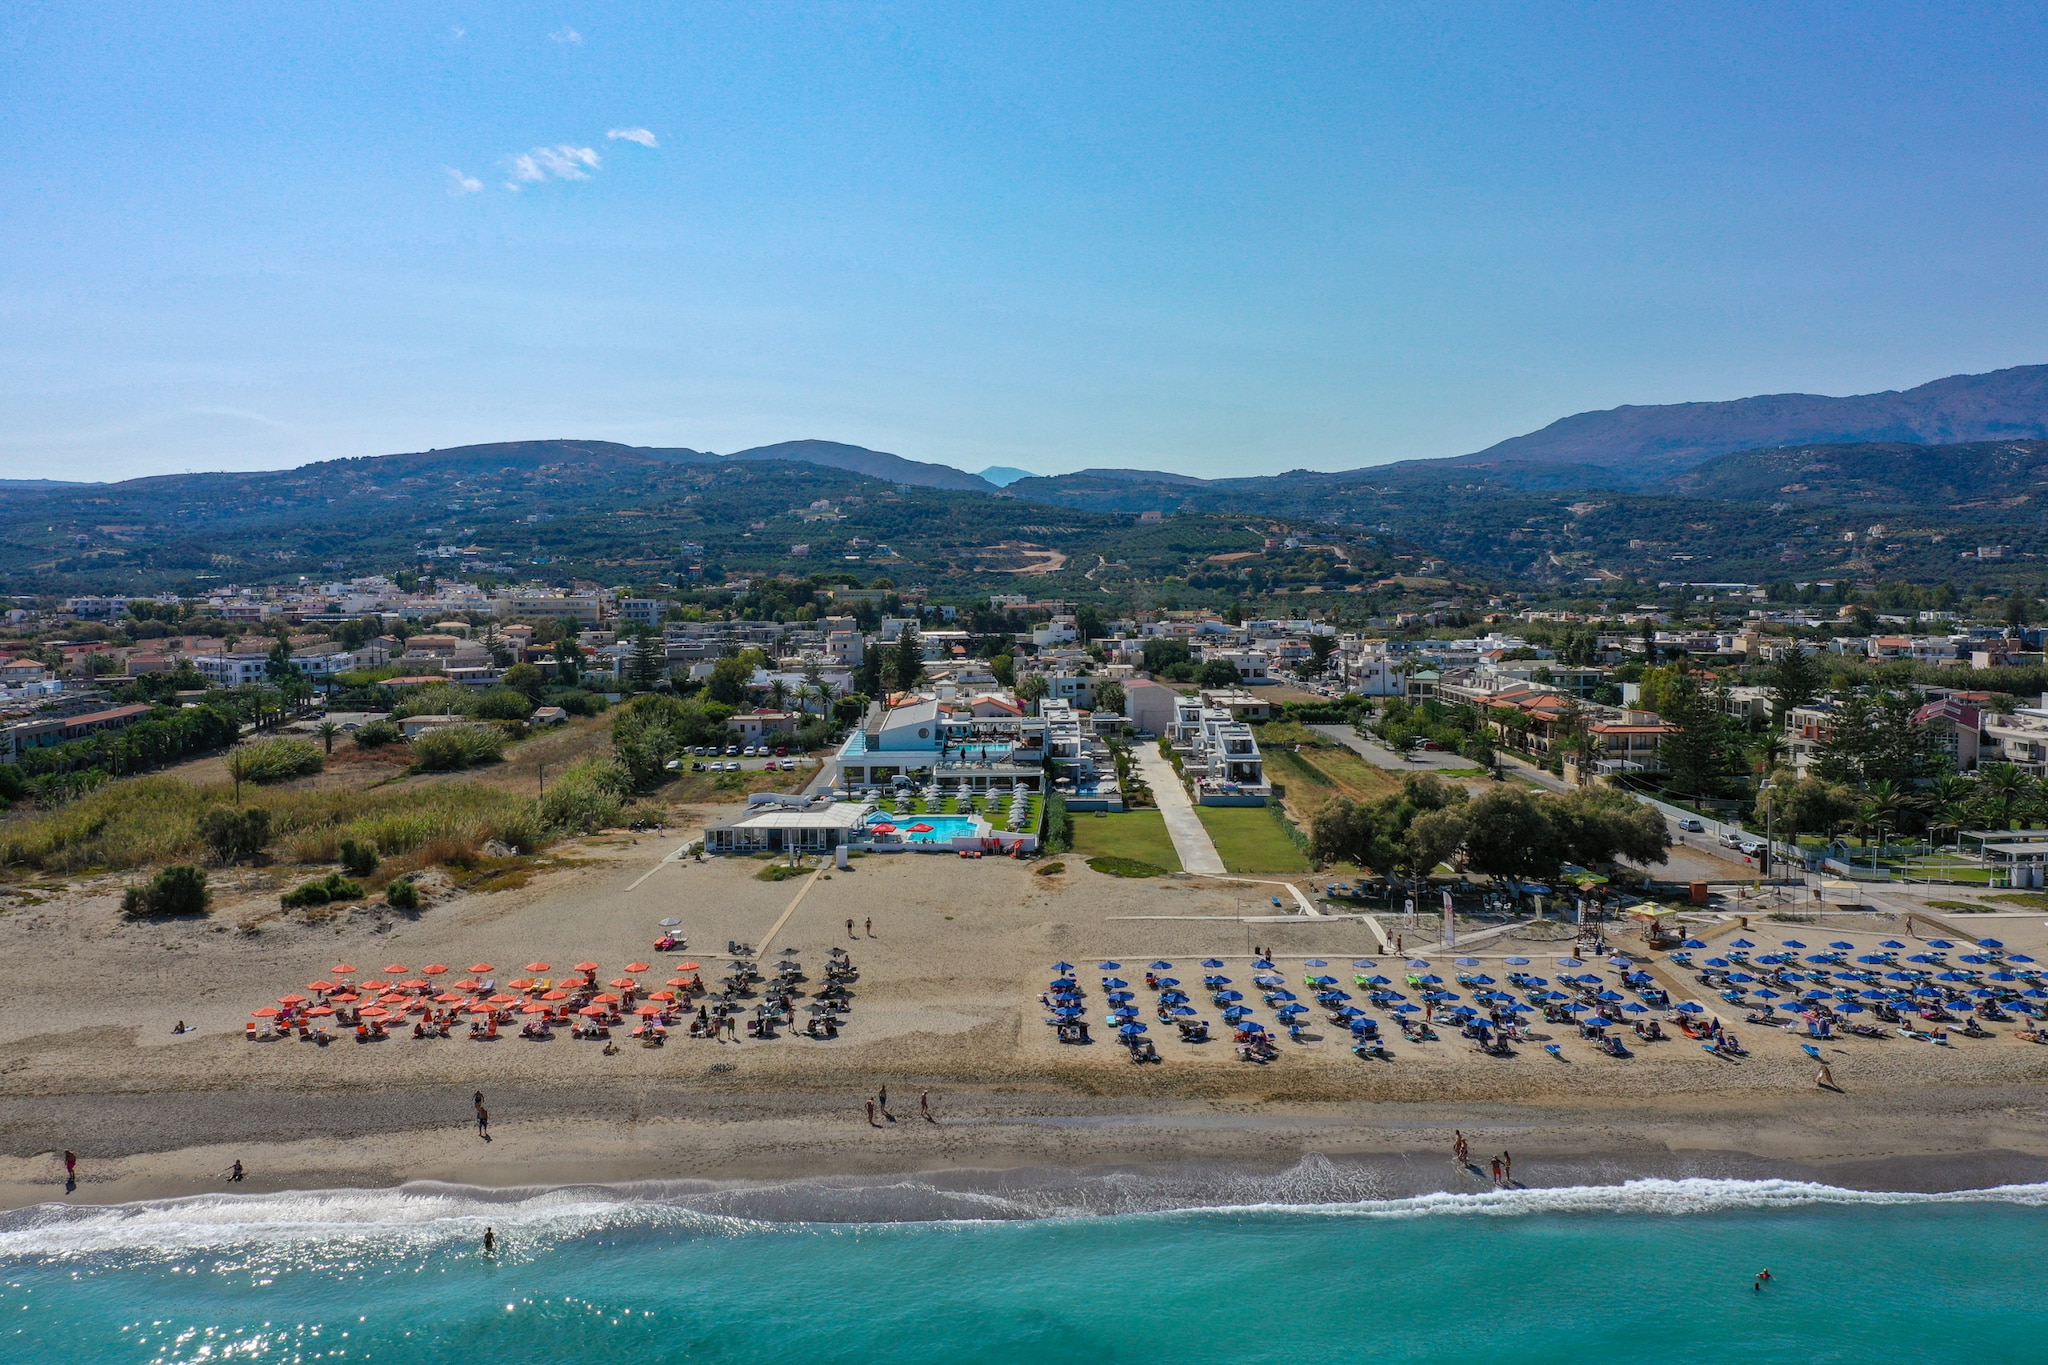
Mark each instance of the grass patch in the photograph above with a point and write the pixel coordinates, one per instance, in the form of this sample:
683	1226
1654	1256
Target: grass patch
2028	900
1960	907
780	872
1138	836
1051	869
1249	839
1125	867
1352	776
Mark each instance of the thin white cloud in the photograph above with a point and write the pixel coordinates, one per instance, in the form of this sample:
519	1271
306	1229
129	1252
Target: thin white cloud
639	135
568	37
456	31
561	162
463	182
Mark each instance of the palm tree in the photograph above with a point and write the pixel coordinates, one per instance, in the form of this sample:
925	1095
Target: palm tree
327	730
2002	787
778	692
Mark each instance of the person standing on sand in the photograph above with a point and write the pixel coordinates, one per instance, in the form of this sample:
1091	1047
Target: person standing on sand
870	925
1459	1150
924	1105
235	1171
871	1115
1824	1079
1496	1172
849	928
483	1123
1507	1169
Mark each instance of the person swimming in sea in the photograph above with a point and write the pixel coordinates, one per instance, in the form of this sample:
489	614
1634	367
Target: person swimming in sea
490	1241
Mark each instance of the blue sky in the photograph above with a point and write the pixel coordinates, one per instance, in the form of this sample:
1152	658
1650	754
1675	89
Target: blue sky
1219	239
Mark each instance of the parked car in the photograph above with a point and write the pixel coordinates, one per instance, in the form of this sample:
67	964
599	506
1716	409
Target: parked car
1692	826
732	750
697	764
781	750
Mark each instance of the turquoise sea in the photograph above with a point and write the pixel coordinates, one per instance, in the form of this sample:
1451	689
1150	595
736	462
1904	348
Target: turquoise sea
1650	1270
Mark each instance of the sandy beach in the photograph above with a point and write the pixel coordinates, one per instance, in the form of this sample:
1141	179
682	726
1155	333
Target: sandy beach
946	1003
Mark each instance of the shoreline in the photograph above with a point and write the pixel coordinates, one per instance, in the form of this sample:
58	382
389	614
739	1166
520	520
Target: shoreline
779	1142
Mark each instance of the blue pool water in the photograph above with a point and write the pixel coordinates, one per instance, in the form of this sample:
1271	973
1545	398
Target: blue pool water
1651	1270
944	828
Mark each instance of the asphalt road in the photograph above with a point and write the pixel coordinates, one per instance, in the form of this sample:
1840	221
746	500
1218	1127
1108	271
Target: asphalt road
1378	754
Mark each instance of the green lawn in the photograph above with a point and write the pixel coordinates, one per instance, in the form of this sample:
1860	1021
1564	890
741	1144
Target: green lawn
1249	839
1139	835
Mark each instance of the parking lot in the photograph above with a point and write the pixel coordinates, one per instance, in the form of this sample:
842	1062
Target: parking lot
739	758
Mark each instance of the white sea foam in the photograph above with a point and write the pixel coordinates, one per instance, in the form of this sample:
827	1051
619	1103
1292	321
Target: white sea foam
421	1218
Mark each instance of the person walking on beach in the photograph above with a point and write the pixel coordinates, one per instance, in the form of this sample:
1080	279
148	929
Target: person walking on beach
1459	1150
924	1105
869	924
871	1115
1507	1169
849	928
483	1123
1496	1172
1824	1079
235	1172
882	1099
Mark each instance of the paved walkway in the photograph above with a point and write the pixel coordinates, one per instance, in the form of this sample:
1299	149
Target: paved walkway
1190	838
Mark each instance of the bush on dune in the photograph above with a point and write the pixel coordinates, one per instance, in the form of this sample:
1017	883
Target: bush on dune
455	747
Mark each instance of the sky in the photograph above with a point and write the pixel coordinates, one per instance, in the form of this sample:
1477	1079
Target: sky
1217	239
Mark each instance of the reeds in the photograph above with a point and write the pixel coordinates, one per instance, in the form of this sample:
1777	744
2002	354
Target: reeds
154	820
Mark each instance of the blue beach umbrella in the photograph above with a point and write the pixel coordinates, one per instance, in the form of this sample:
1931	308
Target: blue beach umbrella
1418	963
1162	966
1691	1007
1168	982
1315	962
1742	943
1212	962
1229	995
1891	943
1062	968
1467	961
1131	1030
1366	963
1184	1011
1841	946
1693	943
1115	983
1109	966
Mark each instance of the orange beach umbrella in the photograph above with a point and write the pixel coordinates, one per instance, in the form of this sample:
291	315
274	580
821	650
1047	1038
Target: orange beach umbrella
536	966
432	969
479	966
636	966
345	969
586	966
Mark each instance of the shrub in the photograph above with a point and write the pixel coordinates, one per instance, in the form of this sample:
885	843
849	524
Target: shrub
177	890
403	894
280	759
235	834
358	859
502	703
437	699
587	797
1059	826
321	890
457	746
376	734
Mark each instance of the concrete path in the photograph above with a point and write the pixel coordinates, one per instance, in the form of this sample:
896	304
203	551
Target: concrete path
1190	838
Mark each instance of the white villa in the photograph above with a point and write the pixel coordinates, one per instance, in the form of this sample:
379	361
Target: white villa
1219	755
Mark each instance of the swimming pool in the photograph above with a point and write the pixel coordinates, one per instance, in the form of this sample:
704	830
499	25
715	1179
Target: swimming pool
944	828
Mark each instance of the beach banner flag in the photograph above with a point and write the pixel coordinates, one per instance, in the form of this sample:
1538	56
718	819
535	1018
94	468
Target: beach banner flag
1450	925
